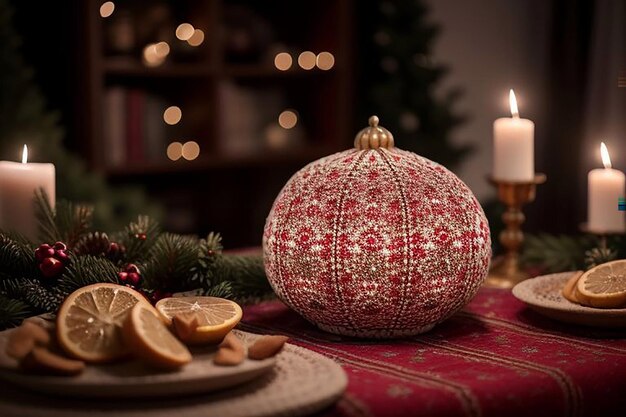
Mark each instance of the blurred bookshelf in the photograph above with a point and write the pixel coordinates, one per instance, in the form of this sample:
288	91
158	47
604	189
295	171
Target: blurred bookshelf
214	124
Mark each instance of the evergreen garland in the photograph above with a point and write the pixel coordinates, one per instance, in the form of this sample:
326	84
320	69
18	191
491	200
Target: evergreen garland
167	262
549	253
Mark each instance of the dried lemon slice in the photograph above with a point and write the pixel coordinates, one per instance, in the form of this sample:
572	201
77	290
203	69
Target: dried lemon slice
89	322
151	341
604	286
569	290
215	316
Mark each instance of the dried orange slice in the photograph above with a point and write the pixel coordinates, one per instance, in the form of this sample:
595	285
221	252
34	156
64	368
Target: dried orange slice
89	323
604	286
151	341
569	290
215	316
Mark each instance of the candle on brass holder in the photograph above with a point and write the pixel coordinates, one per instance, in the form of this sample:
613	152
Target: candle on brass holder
505	271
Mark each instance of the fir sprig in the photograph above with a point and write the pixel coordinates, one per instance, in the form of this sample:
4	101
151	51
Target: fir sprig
550	253
16	255
557	253
12	312
66	222
171	261
87	270
139	237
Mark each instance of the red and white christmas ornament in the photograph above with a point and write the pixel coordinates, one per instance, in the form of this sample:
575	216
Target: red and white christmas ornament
376	241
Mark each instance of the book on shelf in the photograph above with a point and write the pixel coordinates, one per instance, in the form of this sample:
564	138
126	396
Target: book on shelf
134	130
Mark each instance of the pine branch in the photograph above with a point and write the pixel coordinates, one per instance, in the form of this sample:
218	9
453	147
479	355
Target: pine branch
212	244
12	312
17	256
42	299
72	222
171	262
557	253
66	222
203	274
87	270
246	275
223	289
139	237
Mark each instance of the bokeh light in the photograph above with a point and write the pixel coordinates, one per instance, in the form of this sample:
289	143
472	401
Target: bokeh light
151	57
191	150
172	115
107	9
306	60
288	119
197	38
184	31
162	49
325	61
283	61
175	151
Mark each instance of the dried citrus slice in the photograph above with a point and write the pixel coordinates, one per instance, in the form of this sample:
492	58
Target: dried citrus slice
89	323
604	286
216	316
569	290
151	341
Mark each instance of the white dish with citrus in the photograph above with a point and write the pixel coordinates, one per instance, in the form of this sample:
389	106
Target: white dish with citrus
544	294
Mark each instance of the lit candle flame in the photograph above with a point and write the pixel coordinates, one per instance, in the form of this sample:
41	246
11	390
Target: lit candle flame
513	104
606	159
25	154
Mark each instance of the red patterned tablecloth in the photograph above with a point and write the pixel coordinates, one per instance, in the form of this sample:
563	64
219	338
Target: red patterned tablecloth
495	358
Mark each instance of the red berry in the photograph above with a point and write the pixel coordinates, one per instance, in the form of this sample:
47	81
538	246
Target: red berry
141	236
123	276
44	251
114	249
62	256
51	267
60	246
132	268
159	295
133	278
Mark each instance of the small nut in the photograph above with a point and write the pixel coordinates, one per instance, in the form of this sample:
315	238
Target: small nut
266	347
232	342
23	339
231	351
184	326
41	361
228	357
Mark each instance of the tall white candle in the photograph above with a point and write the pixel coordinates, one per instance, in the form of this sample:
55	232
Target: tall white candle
605	185
513	146
18	182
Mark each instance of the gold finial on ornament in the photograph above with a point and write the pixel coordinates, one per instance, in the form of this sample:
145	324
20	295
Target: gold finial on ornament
374	136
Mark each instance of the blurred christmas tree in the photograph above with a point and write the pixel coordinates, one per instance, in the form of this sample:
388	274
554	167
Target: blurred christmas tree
25	119
400	76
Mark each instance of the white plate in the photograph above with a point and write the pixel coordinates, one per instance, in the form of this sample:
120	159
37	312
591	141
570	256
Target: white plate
133	379
302	383
543	294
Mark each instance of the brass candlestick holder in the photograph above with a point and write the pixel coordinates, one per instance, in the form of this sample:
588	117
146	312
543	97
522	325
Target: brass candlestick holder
505	271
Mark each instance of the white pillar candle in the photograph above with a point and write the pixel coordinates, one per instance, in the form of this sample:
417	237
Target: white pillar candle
513	147
18	182
605	185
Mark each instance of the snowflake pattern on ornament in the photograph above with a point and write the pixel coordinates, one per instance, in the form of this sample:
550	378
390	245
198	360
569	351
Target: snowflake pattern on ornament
376	243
